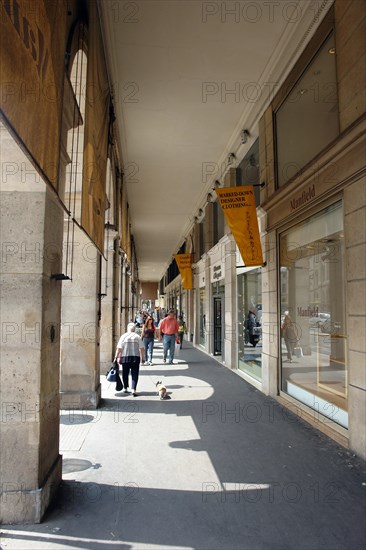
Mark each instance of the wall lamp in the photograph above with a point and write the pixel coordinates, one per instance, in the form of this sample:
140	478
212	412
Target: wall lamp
209	197
231	159
217	184
109	225
244	135
60	277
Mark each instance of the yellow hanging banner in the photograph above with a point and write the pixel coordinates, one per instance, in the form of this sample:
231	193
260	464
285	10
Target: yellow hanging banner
238	205
184	263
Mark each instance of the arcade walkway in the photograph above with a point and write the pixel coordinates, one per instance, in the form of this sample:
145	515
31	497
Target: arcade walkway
217	465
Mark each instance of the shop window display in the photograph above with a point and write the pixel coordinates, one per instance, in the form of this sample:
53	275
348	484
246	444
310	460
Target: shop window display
313	333
250	322
307	121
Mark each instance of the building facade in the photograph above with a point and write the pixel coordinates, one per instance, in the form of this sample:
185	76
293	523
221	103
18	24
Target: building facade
69	277
295	327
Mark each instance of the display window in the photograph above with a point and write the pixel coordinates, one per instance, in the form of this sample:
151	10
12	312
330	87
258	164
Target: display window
308	120
313	334
249	283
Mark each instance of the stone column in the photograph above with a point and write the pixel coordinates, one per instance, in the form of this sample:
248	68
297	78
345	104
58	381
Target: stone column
208	306
31	232
117	295
107	293
123	303
270	315
80	350
190	316
230	313
355	258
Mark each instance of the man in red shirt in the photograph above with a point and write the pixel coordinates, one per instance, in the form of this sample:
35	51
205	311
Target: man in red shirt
169	328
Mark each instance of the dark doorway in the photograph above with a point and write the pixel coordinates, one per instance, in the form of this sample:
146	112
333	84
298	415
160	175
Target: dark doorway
218	335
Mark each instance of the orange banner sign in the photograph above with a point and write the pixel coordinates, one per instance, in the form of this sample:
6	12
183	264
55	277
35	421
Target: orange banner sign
238	205
184	263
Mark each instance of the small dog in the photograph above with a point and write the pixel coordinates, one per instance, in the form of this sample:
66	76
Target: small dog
161	389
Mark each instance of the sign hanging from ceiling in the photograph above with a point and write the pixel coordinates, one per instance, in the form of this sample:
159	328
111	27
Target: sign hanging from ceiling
184	263
238	205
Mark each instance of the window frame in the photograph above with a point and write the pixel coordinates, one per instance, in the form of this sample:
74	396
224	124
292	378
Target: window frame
322	34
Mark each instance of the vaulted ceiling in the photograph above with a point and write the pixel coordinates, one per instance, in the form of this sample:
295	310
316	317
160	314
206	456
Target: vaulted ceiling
187	77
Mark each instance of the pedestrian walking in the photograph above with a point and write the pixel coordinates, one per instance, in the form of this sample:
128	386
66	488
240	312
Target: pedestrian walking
289	334
181	330
139	319
148	336
130	351
252	327
169	328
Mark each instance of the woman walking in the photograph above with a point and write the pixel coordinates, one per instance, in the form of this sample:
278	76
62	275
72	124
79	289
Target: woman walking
148	336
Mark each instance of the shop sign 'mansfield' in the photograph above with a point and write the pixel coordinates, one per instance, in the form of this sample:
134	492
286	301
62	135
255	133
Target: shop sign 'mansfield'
303	199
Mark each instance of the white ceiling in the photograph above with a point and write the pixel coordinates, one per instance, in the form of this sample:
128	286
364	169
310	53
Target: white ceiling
161	55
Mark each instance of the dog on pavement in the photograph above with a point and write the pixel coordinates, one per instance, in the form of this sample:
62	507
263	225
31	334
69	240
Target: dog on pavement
161	389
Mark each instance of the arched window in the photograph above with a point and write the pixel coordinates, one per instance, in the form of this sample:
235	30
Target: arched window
72	151
75	137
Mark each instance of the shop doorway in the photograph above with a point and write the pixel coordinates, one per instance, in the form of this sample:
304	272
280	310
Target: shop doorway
217	325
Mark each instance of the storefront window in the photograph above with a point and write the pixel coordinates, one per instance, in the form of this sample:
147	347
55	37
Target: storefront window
202	317
307	121
250	322
313	332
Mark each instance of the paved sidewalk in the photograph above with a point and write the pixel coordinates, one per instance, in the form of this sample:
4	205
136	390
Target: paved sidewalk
217	465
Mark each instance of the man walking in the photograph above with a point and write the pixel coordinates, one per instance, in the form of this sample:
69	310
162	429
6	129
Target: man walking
169	328
130	351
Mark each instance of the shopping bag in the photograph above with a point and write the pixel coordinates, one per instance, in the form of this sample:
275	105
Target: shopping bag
119	385
112	373
298	351
177	348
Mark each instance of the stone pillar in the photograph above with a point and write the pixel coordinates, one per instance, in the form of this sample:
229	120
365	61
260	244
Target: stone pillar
130	309
208	306
117	295
80	350
270	315
355	257
107	348
31	232
190	316
123	303
230	313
